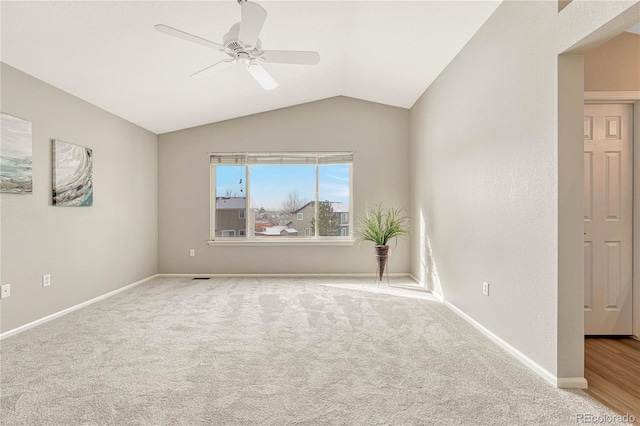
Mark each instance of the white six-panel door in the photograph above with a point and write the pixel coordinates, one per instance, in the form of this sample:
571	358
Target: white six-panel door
608	214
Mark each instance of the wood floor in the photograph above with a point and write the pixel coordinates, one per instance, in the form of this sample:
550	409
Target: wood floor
612	368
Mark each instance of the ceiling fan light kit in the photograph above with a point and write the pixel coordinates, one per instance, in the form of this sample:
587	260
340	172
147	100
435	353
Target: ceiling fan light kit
243	45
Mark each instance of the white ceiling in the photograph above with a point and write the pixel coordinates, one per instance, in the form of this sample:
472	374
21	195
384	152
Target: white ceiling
108	53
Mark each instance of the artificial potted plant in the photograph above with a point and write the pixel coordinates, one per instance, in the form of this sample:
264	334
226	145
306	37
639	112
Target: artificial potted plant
379	225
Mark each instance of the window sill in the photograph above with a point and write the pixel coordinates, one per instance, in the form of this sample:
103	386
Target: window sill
280	242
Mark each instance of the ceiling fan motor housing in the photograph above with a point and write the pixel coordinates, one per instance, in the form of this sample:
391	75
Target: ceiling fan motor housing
236	49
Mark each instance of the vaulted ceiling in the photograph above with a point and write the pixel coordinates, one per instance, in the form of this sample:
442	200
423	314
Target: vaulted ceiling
108	53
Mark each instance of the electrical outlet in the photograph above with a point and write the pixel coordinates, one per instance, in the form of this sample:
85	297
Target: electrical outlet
6	291
46	280
485	288
192	252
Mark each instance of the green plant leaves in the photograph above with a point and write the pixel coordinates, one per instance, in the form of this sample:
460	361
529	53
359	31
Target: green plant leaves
380	224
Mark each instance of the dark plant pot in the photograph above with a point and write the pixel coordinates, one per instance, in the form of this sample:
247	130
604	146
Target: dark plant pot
382	254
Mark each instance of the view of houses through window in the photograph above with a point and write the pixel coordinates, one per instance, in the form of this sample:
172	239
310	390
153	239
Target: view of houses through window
281	195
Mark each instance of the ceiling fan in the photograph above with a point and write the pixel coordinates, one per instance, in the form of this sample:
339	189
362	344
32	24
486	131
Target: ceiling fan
242	44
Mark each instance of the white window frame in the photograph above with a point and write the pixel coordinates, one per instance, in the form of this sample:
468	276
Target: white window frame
343	232
300	216
241	233
241	214
253	158
230	233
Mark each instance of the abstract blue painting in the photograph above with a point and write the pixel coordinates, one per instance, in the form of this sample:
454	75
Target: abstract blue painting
16	175
72	175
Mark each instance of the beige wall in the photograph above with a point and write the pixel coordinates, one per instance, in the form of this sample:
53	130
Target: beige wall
379	136
89	251
486	176
614	65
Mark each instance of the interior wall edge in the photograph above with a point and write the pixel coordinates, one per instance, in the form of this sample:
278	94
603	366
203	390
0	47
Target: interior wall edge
570	217
636	213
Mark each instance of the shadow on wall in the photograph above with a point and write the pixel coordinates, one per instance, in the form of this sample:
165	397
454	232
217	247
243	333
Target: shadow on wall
428	268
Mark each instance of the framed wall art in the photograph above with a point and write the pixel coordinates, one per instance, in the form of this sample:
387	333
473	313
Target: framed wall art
72	175
16	175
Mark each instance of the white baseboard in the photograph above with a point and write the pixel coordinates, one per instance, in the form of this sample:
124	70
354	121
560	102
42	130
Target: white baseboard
414	278
346	275
72	308
437	296
572	383
560	382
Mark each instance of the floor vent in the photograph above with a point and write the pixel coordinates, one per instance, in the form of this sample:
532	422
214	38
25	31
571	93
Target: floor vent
201	278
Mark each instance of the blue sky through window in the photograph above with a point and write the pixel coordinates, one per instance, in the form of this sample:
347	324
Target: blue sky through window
333	183
270	185
230	181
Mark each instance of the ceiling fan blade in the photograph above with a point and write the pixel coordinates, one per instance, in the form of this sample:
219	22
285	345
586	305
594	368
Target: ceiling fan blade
261	76
253	16
186	36
291	57
212	69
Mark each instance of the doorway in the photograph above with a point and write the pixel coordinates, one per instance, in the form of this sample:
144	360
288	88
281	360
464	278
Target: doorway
608	219
574	79
611	218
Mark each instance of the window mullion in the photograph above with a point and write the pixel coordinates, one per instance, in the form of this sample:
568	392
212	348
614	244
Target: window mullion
249	230
317	227
352	217
212	202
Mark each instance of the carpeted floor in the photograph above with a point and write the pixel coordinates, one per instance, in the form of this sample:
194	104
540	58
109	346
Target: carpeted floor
271	351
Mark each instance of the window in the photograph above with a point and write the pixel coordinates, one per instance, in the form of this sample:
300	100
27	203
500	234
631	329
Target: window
230	202
283	195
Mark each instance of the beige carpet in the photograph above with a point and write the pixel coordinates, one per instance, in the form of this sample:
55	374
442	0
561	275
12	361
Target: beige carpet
271	352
